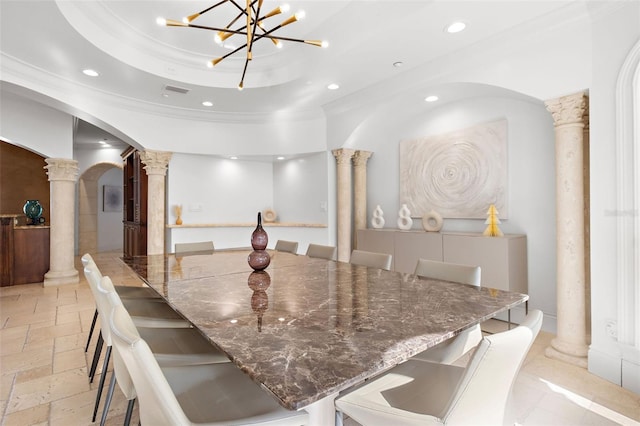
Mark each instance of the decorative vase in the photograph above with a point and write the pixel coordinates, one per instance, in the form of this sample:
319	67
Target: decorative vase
432	221
33	210
178	210
259	259
404	218
377	221
269	215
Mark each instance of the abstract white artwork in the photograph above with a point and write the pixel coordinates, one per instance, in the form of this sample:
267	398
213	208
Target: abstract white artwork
458	174
111	198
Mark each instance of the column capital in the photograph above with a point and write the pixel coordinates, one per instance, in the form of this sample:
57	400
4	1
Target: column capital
569	109
155	162
61	169
360	158
343	155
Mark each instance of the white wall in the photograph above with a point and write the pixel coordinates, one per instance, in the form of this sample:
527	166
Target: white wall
531	173
300	189
614	37
90	157
218	190
36	127
110	231
215	190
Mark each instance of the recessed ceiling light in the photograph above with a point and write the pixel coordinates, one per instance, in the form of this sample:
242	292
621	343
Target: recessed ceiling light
207	103
333	86
233	157
280	158
431	98
455	27
398	64
90	72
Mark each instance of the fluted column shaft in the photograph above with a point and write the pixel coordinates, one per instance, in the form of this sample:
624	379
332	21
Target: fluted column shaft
63	174
360	159
343	171
570	345
156	163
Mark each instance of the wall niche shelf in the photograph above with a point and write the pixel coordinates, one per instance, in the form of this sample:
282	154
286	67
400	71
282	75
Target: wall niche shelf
248	225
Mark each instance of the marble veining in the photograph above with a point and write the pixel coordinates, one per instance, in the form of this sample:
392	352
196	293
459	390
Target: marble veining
318	326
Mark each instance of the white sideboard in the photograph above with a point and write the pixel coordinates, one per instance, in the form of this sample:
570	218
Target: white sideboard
503	260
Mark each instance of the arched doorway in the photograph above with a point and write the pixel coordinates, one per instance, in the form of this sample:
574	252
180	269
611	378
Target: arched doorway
88	206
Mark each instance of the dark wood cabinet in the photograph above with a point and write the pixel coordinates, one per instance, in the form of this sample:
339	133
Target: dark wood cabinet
31	251
135	204
24	252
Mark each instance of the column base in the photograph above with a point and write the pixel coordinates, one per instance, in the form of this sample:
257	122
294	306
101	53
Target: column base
52	278
573	354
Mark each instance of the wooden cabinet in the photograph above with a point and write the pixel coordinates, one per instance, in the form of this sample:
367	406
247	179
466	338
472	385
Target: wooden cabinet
135	205
503	260
24	252
31	254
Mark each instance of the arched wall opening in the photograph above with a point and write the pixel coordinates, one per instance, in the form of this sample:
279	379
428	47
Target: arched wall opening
88	207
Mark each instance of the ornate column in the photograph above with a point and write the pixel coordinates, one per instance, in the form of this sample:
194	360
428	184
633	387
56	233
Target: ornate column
570	345
586	178
156	163
63	174
343	171
360	159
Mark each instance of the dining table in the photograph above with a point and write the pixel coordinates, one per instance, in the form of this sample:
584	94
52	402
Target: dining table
306	329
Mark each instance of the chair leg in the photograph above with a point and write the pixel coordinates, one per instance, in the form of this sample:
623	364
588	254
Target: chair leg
101	385
96	357
127	417
107	402
93	325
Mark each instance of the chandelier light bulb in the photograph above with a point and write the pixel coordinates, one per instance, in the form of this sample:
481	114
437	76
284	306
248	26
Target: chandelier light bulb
324	44
300	15
161	21
285	8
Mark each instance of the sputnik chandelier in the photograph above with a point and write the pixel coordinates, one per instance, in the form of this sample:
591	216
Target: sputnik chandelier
253	27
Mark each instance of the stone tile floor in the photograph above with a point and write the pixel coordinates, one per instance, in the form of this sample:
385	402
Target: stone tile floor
43	366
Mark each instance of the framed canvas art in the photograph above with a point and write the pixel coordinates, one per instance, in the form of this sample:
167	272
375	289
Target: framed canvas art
111	198
458	174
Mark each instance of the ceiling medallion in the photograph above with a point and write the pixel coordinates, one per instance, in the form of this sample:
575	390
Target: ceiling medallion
253	21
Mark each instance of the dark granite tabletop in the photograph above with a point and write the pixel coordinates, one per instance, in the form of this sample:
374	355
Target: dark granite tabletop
308	328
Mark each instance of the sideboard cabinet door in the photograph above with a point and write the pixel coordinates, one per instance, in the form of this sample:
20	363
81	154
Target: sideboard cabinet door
503	260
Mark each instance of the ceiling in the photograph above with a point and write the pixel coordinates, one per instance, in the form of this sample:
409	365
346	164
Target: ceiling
137	59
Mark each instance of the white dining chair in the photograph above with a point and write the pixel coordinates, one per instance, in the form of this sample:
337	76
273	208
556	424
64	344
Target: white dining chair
170	347
200	247
148	312
452	349
371	259
214	394
287	246
124	291
425	393
322	252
